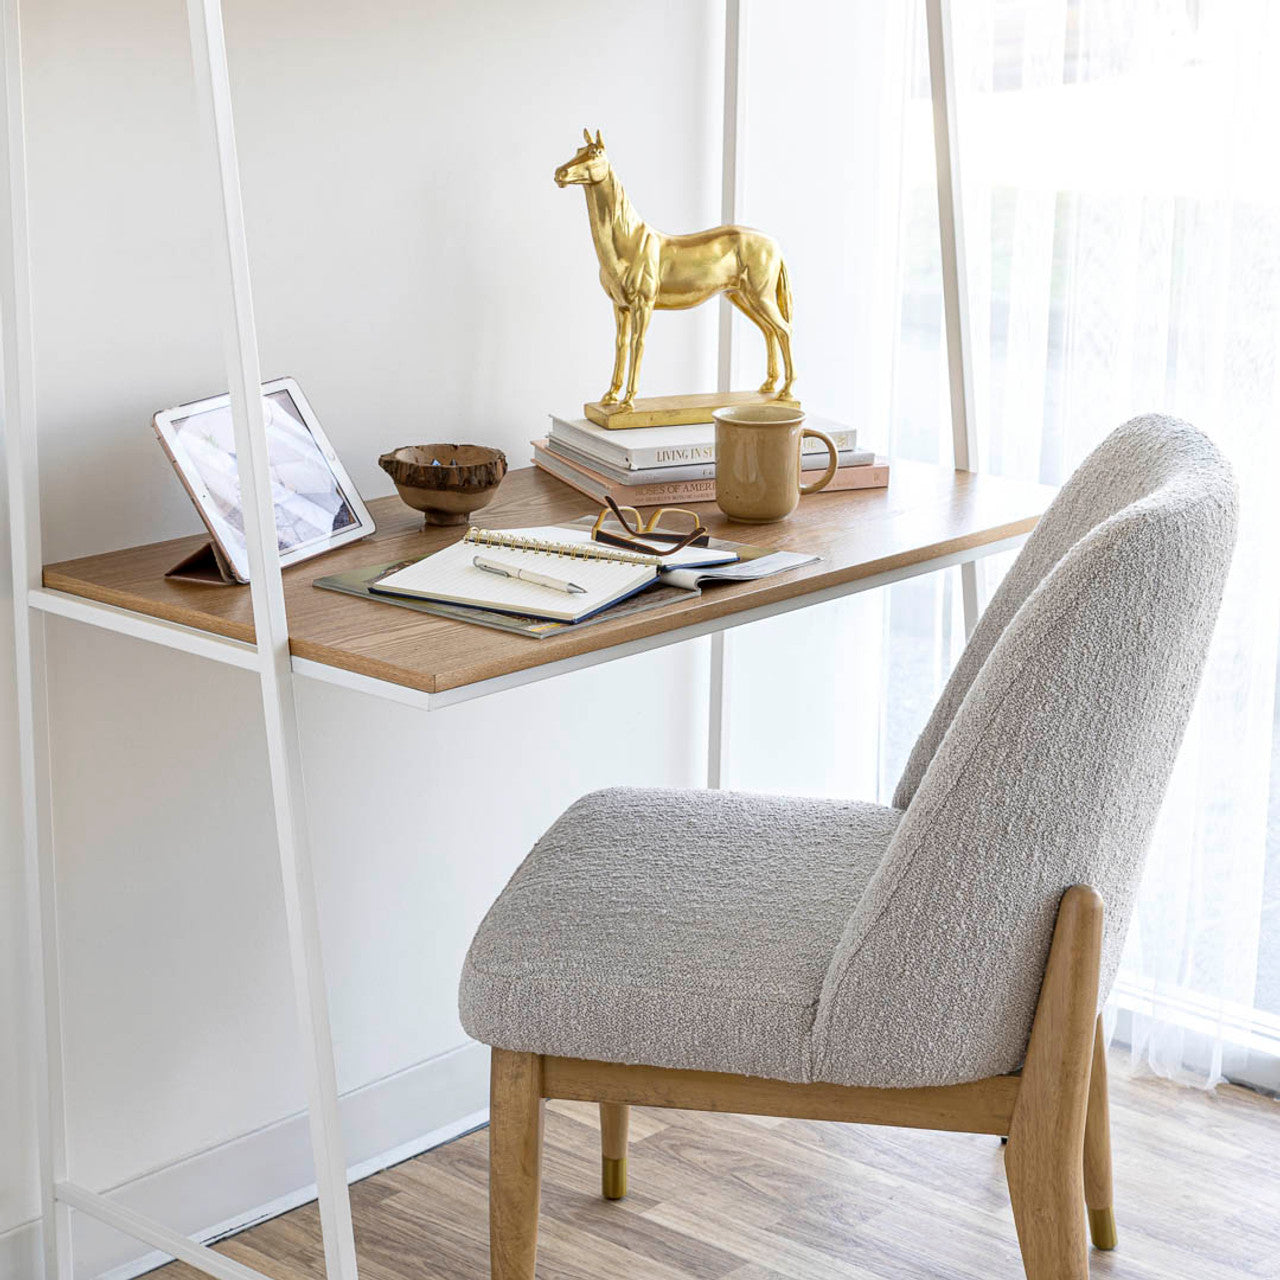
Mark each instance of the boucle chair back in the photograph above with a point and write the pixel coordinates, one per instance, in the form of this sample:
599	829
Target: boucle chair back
1043	765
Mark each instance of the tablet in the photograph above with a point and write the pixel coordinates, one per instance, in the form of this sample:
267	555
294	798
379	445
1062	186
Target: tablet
317	507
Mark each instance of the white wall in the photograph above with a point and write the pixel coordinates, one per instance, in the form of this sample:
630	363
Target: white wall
420	274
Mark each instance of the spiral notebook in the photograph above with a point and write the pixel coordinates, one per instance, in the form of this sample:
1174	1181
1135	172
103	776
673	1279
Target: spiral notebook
606	574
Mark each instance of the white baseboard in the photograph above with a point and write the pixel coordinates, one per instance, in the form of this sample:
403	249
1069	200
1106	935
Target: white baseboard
249	1179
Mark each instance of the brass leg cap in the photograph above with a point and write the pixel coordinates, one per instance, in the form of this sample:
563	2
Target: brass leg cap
614	1178
1102	1227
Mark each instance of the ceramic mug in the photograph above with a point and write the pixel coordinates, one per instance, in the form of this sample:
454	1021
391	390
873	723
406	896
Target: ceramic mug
758	461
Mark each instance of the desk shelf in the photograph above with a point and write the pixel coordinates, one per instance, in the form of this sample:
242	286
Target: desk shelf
928	517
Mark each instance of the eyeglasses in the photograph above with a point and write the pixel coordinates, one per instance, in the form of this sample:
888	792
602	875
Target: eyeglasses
668	530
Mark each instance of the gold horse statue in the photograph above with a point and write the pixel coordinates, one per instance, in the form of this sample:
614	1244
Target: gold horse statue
643	269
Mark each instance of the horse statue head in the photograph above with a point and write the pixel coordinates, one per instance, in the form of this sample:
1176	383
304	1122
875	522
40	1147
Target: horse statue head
589	166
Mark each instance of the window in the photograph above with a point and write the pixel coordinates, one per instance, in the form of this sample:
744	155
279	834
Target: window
1122	234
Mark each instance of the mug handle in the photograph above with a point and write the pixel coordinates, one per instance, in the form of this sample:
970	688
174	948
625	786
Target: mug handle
831	466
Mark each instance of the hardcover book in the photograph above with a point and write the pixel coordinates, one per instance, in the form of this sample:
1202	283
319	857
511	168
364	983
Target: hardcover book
639	448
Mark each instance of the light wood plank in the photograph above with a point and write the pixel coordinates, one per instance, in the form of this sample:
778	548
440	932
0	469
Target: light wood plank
1045	1157
926	512
986	1106
1098	1194
641	1125
515	1163
615	1121
1198	1176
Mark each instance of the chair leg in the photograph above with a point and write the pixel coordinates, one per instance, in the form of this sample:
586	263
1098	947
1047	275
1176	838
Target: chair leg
1097	1151
1045	1156
614	1120
515	1163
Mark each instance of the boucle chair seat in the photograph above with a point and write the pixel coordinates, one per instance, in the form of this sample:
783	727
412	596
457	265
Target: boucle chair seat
677	928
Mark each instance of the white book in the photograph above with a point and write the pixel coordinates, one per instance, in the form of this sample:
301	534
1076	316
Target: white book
451	576
640	448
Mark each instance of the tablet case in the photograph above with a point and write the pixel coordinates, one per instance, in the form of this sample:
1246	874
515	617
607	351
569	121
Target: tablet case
210	564
207	565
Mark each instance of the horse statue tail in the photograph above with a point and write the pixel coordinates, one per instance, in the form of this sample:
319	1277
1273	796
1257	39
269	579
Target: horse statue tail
785	303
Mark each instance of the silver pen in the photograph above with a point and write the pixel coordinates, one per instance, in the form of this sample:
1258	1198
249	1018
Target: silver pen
527	575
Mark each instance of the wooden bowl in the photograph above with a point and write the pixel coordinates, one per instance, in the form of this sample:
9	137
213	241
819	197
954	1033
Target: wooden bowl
446	482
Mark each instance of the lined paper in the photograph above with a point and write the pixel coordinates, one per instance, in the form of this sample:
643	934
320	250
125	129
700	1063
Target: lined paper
449	575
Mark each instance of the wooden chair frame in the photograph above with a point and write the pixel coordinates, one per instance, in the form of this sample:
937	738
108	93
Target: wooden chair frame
1054	1114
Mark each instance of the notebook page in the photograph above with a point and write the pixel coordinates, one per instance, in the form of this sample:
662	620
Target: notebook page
450	575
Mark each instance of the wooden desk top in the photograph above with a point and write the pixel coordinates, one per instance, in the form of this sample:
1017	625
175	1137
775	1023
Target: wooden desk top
926	512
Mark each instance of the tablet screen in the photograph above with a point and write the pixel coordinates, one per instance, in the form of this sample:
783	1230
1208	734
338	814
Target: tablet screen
311	504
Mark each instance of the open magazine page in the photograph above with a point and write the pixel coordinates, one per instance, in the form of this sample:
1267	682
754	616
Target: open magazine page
762	564
752	562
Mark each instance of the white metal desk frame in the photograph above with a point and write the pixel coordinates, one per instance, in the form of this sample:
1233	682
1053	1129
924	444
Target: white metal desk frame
270	658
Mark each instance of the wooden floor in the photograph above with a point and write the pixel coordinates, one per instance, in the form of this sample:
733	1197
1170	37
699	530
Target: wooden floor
1197	1196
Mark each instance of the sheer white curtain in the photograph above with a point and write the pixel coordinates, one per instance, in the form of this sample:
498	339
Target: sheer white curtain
1122	223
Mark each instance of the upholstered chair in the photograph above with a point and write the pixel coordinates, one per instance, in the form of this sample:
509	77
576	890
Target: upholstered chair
936	964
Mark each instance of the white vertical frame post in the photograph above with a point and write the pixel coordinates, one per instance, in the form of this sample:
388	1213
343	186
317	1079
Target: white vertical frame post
717	713
730	202
955	289
213	90
29	646
731	169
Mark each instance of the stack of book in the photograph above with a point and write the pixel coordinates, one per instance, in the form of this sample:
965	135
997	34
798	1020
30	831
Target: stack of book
659	466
